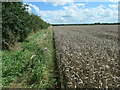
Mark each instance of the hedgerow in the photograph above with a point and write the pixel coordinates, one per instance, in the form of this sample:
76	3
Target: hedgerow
18	23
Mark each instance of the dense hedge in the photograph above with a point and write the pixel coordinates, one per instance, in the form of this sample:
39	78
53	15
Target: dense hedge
18	23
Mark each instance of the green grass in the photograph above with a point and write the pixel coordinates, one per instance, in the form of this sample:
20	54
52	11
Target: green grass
0	69
32	64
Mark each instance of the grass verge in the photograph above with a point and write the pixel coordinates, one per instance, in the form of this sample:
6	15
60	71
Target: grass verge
32	64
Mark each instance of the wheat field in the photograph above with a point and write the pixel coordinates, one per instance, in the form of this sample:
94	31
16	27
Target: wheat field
87	56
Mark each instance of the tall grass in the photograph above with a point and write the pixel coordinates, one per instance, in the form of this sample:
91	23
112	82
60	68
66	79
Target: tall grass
31	65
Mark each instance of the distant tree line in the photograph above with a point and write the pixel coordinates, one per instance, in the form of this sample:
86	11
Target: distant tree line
86	24
18	23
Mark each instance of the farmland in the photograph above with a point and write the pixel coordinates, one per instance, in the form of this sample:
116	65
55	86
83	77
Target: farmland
87	56
38	54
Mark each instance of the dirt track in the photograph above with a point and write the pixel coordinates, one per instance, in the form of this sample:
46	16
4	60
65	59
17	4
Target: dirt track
87	56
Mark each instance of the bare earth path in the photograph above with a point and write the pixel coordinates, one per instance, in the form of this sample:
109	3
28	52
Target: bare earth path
87	56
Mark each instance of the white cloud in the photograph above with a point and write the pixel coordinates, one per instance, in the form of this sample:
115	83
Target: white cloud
81	4
75	14
71	1
29	9
35	7
113	5
58	2
114	0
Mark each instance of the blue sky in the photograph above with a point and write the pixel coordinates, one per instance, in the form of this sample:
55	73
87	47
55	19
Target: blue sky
75	12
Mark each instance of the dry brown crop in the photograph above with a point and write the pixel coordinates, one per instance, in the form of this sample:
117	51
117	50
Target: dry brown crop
87	56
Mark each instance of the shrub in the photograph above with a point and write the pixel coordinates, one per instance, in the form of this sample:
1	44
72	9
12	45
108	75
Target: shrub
17	23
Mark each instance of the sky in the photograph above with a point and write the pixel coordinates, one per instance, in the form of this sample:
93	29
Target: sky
75	12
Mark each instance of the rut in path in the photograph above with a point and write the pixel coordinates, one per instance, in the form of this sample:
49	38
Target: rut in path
87	56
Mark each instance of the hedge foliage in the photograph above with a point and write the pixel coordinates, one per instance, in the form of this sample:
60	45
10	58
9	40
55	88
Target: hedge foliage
18	23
